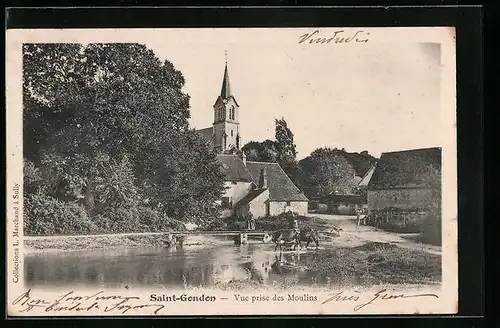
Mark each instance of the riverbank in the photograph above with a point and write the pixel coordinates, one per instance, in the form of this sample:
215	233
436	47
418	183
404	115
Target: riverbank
79	243
367	265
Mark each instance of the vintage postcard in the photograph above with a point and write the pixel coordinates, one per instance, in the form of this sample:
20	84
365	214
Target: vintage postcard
231	171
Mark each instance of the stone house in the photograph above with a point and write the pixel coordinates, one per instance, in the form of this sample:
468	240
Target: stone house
409	179
258	188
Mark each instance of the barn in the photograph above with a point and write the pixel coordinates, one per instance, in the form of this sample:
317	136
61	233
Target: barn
409	179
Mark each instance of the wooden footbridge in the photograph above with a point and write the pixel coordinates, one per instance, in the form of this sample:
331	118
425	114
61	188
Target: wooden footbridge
240	237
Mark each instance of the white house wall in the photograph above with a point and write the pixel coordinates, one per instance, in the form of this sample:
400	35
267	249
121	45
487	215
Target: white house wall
258	205
235	192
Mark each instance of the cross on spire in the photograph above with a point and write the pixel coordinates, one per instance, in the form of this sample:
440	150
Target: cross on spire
225	54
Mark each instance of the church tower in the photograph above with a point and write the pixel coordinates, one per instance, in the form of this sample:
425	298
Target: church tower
226	127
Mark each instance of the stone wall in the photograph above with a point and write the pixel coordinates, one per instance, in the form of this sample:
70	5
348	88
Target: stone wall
401	198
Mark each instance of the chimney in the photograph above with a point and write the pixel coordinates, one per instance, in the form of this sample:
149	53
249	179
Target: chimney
243	157
263	179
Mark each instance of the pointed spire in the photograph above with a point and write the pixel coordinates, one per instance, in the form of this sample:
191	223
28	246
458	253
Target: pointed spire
225	91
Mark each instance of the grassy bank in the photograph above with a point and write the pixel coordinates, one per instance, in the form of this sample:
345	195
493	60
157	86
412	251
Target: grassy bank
379	263
371	264
75	243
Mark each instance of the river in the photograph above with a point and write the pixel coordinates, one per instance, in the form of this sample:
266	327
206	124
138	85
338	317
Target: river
203	261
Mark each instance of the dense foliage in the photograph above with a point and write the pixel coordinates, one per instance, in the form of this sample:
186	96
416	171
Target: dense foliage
323	172
326	172
360	162
107	144
282	150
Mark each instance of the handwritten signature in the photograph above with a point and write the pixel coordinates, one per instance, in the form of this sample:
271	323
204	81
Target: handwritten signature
381	295
70	301
340	36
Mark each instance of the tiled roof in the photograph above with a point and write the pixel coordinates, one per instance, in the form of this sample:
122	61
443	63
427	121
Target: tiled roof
251	196
207	133
234	168
281	188
417	168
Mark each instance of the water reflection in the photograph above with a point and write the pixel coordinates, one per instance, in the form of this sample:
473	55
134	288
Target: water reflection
218	263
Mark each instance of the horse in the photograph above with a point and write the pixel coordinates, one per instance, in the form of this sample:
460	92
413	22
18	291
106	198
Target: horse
361	218
308	235
282	238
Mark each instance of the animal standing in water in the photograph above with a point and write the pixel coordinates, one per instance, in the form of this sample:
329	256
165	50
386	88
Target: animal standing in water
308	235
283	238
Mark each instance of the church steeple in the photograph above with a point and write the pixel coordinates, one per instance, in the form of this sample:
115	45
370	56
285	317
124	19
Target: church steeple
226	125
225	91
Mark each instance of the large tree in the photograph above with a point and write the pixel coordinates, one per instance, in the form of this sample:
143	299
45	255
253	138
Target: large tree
326	172
287	153
265	151
282	150
106	125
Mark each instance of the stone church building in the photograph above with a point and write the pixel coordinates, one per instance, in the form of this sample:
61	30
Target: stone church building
257	188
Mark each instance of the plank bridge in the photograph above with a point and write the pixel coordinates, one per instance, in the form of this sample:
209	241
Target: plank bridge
240	237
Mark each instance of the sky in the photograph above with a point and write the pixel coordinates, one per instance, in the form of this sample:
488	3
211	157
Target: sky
377	96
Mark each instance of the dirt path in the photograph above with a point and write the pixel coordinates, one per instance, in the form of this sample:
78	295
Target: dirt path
353	235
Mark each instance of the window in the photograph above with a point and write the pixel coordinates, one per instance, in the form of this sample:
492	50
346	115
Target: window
288	203
231	133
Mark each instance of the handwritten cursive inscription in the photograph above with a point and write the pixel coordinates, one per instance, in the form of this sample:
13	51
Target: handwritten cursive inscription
381	295
71	301
340	36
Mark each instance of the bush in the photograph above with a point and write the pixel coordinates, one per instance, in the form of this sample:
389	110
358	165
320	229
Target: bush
412	223
236	223
124	220
152	220
103	223
217	224
431	230
278	222
45	215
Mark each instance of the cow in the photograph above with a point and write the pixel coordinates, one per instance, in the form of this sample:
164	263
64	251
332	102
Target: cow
283	238
308	235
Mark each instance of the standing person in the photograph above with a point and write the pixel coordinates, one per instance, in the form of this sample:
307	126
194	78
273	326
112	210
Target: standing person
252	223
295	223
